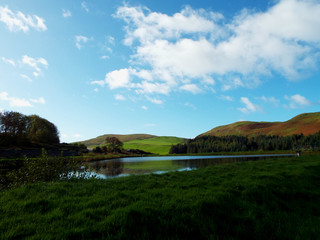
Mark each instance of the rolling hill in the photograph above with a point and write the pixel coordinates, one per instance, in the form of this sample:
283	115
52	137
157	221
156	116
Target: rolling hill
307	123
145	142
100	140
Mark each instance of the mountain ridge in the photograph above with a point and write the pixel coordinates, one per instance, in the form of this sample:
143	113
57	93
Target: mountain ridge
306	123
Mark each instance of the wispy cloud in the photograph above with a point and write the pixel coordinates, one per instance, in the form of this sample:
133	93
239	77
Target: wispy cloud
271	100
81	40
66	13
36	64
193	88
20	22
297	101
119	97
20	102
26	77
84	6
249	106
8	61
226	98
155	100
187	104
144	107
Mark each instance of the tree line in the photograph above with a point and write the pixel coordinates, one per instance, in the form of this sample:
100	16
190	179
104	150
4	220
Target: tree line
17	129
210	144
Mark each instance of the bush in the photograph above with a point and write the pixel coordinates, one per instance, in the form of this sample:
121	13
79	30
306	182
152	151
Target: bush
46	169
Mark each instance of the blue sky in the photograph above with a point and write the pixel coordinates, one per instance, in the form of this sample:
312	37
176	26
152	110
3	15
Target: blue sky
169	68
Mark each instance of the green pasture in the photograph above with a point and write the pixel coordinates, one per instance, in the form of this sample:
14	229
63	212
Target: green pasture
267	199
157	145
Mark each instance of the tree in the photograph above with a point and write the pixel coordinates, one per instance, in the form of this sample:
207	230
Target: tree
113	144
17	129
42	131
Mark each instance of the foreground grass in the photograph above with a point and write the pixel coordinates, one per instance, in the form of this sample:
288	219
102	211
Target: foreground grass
269	199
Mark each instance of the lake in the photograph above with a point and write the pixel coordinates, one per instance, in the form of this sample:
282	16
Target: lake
157	165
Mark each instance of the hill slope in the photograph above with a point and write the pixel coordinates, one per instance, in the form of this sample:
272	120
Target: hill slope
158	145
145	142
307	123
123	138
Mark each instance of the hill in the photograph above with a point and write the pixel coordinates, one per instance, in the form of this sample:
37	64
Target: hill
158	145
100	140
307	123
145	142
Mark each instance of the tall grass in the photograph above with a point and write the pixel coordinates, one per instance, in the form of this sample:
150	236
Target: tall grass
268	199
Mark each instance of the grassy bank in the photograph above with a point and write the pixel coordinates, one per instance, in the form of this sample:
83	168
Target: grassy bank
269	199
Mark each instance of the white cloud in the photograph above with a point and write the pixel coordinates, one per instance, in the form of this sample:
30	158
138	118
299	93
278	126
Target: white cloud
110	40
226	98
154	100
80	40
144	107
36	64
39	100
187	104
66	13
271	100
84	6
297	101
26	77
119	97
201	46
20	22
249	106
104	57
118	78
191	88
9	61
20	102
14	102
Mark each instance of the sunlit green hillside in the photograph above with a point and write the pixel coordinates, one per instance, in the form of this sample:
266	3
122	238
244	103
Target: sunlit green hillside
158	145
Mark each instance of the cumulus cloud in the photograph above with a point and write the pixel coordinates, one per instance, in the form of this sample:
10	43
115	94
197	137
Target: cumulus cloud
66	13
200	44
297	101
249	106
36	64
20	22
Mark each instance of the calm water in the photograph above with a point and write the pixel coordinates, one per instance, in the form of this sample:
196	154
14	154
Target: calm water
143	165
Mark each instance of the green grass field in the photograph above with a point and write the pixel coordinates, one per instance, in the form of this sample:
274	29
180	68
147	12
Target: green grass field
268	199
158	145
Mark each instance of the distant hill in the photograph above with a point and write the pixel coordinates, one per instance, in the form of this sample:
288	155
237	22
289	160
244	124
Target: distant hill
100	140
145	142
307	123
158	145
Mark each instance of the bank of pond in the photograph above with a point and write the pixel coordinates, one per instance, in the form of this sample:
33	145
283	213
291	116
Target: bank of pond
275	198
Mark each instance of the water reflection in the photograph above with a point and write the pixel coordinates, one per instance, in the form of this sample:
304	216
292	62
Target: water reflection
143	165
109	168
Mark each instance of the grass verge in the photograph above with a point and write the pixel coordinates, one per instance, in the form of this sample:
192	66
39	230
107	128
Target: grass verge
268	199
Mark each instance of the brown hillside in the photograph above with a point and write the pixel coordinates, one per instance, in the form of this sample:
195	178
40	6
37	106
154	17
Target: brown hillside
307	123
